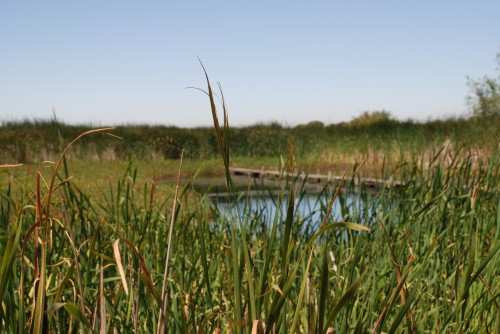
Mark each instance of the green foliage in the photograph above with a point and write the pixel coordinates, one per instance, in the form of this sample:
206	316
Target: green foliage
485	96
371	134
371	118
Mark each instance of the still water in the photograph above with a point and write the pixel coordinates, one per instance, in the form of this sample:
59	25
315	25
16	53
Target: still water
309	209
259	204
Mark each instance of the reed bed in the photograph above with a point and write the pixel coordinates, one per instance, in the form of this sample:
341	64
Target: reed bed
368	136
420	258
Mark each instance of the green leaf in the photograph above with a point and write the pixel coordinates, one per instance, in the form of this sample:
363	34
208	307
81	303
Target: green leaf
77	314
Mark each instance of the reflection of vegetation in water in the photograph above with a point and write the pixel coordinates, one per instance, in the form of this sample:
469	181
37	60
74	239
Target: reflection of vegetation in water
309	211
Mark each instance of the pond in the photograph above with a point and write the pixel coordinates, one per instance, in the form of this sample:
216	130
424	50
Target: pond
259	202
310	208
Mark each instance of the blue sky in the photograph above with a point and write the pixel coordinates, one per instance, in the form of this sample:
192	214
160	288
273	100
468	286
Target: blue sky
115	62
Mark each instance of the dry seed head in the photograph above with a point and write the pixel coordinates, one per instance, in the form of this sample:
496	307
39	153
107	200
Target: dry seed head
186	305
412	256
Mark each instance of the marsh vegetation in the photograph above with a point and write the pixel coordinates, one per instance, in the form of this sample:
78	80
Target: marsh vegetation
421	258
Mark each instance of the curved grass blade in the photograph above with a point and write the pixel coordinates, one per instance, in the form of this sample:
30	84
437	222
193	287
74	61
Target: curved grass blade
348	295
118	260
323	229
76	313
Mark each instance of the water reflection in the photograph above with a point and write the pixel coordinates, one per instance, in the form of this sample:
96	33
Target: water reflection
308	207
258	204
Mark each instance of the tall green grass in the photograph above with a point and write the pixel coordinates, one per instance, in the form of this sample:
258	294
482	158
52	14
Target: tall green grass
420	258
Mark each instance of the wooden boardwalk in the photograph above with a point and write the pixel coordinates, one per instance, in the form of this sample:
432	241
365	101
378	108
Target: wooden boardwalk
315	178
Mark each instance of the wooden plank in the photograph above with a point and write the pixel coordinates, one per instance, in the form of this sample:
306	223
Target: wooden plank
318	178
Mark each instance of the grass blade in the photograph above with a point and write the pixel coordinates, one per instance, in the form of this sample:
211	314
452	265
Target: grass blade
301	297
119	265
164	295
411	298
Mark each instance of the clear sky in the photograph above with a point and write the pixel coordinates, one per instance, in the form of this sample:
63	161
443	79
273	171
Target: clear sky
116	62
